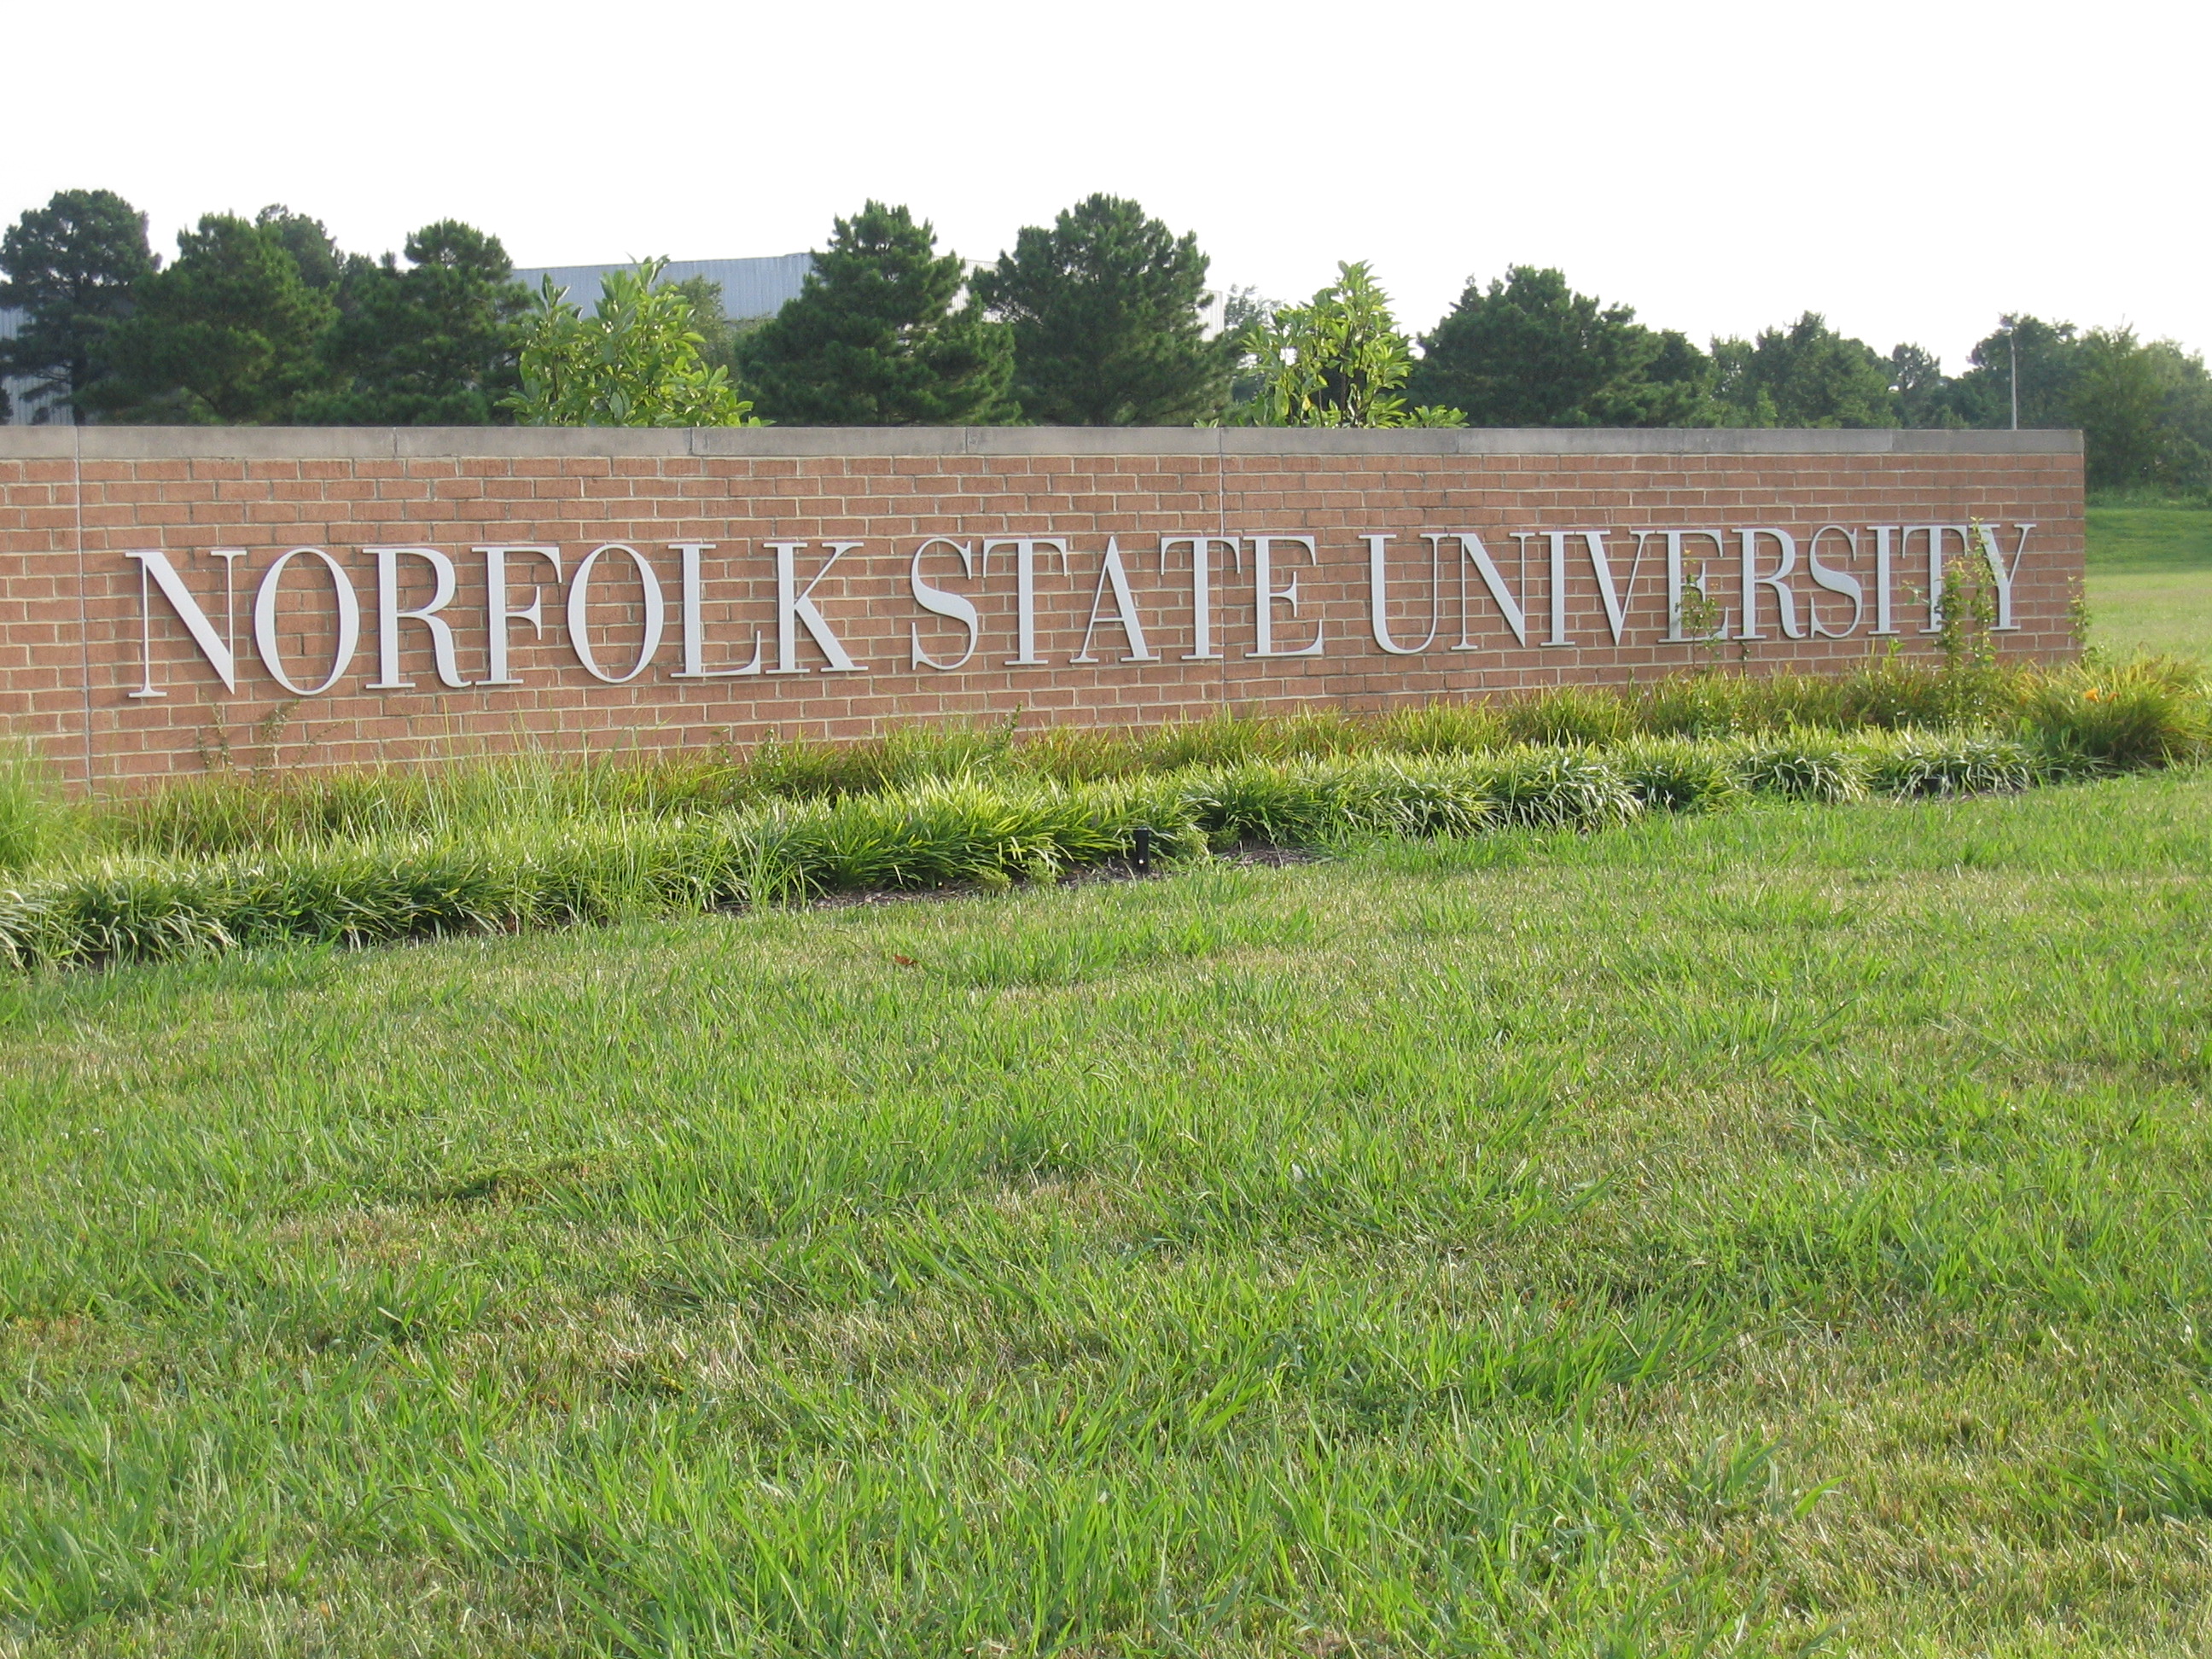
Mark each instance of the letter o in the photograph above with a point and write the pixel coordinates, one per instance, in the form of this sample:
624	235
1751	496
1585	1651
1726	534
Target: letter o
264	622
580	602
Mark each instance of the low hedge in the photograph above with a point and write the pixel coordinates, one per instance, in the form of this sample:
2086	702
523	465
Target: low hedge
2144	713
980	829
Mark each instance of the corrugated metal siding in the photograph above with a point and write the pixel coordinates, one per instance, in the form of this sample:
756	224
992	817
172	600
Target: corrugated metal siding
19	392
750	287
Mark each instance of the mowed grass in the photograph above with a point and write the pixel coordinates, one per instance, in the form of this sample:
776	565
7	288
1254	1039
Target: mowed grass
2150	580
1708	1236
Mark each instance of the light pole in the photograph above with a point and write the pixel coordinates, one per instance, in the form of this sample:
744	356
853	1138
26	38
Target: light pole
2012	345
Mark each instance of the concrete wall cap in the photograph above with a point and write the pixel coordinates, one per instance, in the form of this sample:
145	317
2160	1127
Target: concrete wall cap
155	443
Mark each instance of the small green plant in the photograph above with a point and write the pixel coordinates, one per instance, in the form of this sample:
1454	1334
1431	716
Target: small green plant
1704	618
1339	360
634	362
1968	611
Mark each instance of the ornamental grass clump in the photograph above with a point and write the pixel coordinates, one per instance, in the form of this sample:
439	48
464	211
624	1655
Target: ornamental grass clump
1314	803
1583	716
1443	728
1806	765
1271	803
1673	775
1908	763
954	831
33	822
2147	713
1558	789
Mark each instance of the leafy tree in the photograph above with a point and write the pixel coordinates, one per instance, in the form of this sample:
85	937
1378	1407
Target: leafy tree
1107	309
1806	375
432	345
634	362
1530	351
2044	357
879	335
2145	411
228	334
1339	360
73	266
1922	393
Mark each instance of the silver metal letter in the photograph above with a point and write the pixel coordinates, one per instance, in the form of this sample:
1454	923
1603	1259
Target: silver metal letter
1615	600
222	653
1834	580
1111	573
389	615
1936	561
794	609
692	602
1677	586
498	613
1378	595
1267	596
1785	599
264	622
579	605
1885	583
1026	549
2002	574
1202	586
943	602
1474	553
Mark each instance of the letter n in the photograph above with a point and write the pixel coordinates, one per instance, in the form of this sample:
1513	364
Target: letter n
219	650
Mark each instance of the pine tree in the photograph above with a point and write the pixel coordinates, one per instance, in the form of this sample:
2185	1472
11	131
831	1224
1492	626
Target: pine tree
874	338
74	266
1530	351
229	334
432	345
1106	309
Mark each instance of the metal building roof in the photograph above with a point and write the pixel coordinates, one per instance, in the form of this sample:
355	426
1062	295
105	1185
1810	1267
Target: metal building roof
750	287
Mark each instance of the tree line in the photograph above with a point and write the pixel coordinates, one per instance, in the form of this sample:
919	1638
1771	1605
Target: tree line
1101	317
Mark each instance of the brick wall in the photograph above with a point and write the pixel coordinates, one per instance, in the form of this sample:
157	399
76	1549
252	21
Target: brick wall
75	642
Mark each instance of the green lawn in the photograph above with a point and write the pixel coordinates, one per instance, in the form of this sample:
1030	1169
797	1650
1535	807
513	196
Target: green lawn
2150	579
1797	1220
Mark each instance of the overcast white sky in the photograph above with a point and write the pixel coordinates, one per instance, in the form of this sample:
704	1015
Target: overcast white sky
1910	169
